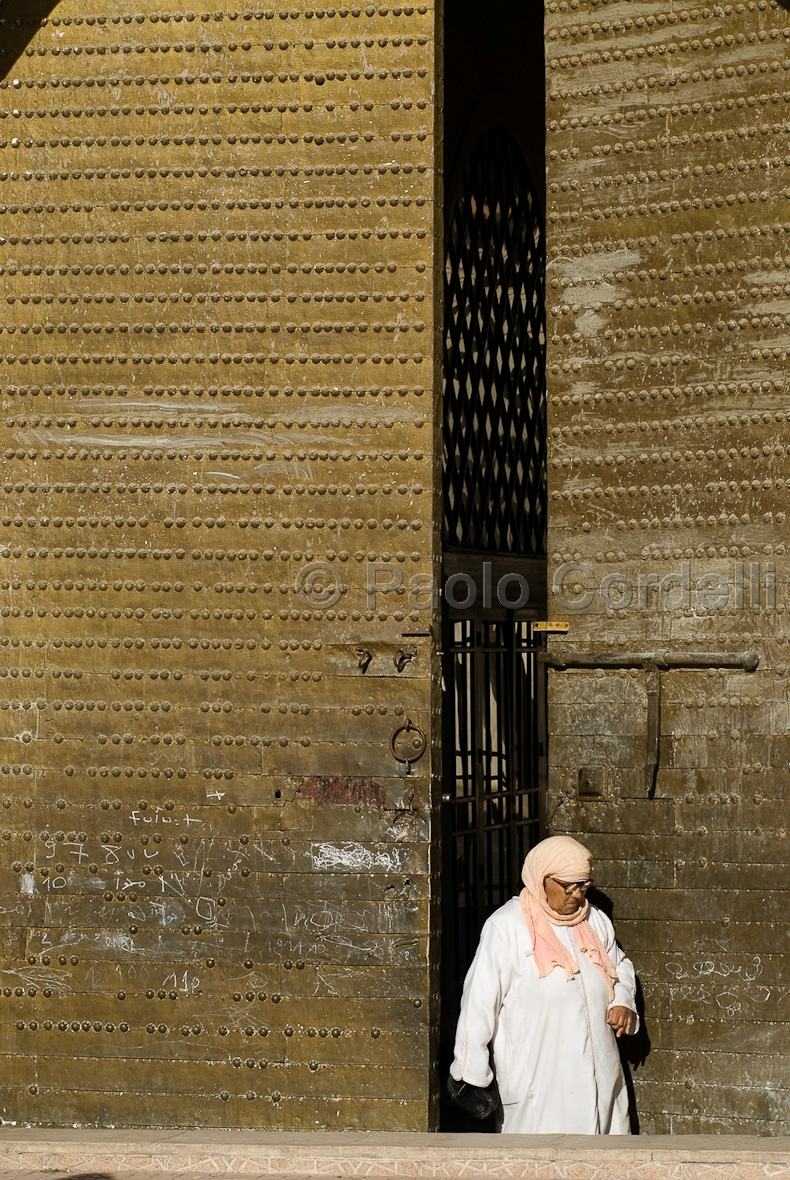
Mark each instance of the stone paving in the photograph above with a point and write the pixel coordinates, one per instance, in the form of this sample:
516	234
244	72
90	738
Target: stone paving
54	1173
194	1155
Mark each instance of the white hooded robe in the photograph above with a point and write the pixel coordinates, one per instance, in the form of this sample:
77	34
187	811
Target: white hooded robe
556	1059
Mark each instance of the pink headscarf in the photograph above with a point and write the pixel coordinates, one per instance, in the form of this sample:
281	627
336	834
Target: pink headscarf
568	860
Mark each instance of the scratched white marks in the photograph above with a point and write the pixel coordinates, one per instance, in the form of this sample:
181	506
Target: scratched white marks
40	977
726	985
355	857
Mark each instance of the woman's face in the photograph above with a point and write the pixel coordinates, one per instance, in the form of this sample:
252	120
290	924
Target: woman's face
560	901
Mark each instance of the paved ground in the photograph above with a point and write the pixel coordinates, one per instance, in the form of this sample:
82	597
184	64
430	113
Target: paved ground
81	1154
76	1174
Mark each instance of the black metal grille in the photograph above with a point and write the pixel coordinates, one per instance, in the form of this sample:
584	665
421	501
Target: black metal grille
494	502
494	357
493	727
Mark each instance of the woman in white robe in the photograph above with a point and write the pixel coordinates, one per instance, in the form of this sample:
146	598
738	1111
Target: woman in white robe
549	991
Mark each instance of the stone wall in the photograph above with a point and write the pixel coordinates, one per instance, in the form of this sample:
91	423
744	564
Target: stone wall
668	256
216	377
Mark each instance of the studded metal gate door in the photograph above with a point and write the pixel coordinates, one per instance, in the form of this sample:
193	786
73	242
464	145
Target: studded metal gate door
494	512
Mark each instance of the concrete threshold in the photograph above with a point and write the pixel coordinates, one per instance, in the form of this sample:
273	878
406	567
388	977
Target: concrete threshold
27	1153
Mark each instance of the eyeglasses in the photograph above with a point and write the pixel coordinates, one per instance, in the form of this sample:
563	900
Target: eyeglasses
571	886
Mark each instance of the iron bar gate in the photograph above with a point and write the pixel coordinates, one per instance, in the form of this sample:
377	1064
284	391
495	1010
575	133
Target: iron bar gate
495	502
494	720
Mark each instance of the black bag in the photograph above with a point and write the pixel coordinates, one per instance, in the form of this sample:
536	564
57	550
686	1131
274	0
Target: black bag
475	1100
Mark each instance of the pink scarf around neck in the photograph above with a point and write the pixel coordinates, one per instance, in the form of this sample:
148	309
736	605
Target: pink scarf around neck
564	858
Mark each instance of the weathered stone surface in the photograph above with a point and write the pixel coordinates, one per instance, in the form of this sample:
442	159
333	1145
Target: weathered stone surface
511	1157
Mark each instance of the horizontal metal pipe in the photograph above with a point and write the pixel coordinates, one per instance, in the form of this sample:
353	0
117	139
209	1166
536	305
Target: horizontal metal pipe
748	661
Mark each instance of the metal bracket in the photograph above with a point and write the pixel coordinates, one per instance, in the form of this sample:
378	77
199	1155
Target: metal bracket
403	656
363	659
653	664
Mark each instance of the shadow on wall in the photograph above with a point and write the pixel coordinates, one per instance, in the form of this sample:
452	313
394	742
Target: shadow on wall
91	1176
633	1050
20	21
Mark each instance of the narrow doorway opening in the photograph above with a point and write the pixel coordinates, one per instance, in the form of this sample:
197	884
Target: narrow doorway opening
494	480
493	730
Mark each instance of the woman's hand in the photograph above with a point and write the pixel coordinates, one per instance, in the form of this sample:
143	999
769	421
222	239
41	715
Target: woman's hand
621	1019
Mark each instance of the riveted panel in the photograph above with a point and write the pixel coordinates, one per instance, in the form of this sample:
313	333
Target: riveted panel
668	292
216	387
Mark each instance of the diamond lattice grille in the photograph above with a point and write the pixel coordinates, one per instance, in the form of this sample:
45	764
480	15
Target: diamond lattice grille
494	357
